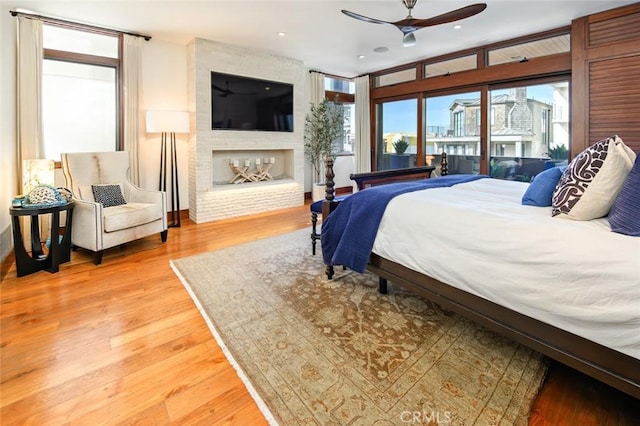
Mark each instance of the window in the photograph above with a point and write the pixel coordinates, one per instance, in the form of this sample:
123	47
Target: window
344	90
397	124
79	91
526	137
395	77
450	66
532	49
448	131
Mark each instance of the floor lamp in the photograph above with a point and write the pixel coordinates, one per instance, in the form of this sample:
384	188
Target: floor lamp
168	123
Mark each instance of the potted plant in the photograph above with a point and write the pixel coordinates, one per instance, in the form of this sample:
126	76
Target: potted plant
323	125
400	160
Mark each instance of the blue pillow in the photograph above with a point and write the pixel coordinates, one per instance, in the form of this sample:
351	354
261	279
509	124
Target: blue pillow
540	191
624	216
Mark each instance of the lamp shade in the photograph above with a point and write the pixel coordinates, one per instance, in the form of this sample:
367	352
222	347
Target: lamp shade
37	172
167	121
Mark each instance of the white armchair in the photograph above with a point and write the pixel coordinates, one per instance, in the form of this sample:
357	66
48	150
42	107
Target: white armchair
96	227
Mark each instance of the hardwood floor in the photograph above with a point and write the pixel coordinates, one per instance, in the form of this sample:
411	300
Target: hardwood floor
122	343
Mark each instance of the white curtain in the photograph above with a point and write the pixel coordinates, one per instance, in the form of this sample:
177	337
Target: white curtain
29	92
29	106
132	67
317	87
363	132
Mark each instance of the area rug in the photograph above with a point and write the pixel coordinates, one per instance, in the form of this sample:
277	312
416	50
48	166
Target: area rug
336	352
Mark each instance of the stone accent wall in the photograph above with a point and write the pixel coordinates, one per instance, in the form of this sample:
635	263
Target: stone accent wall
206	201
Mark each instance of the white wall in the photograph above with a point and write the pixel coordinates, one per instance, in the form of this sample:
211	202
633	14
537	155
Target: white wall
8	165
164	87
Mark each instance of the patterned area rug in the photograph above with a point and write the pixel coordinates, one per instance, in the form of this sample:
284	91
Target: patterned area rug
314	351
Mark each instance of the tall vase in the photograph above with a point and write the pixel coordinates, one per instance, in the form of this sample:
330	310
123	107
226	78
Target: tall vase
317	191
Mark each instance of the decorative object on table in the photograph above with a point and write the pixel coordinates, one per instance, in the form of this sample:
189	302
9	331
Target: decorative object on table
353	356
168	123
46	196
324	124
17	201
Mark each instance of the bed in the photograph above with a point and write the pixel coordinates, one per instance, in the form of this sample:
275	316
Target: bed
568	289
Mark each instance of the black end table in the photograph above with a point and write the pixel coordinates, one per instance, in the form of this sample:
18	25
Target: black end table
59	251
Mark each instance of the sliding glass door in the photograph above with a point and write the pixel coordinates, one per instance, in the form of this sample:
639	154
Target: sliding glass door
396	137
452	125
529	129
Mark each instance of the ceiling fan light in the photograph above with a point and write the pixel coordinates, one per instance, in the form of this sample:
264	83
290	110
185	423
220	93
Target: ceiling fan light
409	4
408	40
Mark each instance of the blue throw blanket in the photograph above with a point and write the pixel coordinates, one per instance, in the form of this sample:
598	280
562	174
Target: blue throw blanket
349	232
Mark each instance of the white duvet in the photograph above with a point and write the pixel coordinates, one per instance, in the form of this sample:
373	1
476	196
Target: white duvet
477	236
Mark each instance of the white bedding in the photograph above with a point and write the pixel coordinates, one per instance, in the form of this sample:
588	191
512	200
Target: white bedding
578	276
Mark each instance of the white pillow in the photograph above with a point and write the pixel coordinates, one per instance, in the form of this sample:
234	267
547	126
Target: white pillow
592	181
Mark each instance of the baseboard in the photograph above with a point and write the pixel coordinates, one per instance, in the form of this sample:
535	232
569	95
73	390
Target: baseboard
6	250
339	191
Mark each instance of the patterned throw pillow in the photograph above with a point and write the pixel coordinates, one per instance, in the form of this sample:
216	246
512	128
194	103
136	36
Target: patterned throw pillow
108	195
624	216
592	181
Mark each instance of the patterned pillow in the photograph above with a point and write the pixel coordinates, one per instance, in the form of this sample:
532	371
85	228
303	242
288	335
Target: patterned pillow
591	182
108	195
624	216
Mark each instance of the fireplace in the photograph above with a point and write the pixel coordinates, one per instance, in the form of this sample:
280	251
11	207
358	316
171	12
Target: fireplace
211	195
278	164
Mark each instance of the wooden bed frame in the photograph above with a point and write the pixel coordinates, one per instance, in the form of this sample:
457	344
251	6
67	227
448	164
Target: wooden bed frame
602	363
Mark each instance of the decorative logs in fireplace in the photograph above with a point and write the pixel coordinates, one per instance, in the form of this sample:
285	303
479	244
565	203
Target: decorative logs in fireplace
242	173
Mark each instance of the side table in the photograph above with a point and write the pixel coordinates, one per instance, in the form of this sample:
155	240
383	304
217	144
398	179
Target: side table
60	250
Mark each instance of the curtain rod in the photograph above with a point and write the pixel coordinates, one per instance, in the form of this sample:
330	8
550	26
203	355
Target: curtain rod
77	25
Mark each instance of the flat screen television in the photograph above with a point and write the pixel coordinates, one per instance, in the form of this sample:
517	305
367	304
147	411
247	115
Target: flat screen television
244	103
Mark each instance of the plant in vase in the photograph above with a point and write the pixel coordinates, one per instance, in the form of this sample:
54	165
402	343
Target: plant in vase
399	160
323	125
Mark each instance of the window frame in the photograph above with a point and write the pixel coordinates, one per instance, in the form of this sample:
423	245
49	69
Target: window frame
95	60
555	66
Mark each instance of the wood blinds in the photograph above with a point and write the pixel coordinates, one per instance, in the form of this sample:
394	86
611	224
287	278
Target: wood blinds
605	77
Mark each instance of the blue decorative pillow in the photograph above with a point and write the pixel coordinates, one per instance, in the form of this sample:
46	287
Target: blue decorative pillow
624	216
540	191
108	195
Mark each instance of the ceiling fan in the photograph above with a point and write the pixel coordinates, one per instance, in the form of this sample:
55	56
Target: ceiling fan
410	24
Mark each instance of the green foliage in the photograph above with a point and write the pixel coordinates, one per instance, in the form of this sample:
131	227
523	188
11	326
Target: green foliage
558	152
323	125
400	146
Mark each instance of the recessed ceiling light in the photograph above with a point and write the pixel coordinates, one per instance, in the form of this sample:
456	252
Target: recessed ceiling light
282	34
361	56
457	27
381	49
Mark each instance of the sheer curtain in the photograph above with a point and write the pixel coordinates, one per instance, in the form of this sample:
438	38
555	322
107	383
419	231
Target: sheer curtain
317	87
29	99
132	71
29	104
363	132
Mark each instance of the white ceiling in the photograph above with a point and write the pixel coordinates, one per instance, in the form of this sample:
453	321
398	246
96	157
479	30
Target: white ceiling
316	31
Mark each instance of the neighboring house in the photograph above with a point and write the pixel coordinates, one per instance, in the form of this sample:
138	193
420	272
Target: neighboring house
520	127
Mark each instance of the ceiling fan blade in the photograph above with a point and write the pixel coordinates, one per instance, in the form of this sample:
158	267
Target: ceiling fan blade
408	40
454	15
364	18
